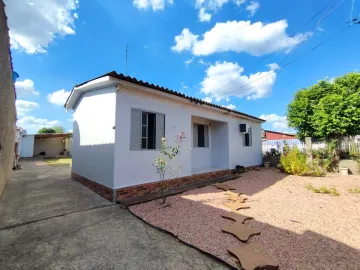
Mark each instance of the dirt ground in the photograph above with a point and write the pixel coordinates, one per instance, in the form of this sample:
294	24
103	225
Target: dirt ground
299	228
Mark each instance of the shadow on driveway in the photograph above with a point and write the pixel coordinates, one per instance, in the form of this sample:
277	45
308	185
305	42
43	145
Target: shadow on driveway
48	221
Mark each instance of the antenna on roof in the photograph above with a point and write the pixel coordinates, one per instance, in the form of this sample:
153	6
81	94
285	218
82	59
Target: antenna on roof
126	53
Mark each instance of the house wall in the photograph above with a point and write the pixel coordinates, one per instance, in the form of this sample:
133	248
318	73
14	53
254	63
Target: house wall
94	136
136	167
51	146
220	149
200	156
27	146
7	104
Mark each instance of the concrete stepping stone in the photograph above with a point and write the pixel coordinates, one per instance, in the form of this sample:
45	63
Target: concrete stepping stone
236	217
223	186
240	231
251	257
236	205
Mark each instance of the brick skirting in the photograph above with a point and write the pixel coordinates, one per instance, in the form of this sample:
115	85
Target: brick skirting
148	188
100	189
153	187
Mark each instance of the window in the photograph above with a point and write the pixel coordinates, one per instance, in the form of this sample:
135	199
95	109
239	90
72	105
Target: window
201	135
248	138
147	130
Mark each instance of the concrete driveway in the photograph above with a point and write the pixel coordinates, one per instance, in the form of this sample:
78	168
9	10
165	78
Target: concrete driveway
48	221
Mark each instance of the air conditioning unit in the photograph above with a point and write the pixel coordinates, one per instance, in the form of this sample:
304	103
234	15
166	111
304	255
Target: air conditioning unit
243	128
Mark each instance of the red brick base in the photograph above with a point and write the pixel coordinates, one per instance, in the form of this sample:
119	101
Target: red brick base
153	187
100	189
143	189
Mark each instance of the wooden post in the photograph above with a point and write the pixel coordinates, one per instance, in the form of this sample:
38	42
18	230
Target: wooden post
308	150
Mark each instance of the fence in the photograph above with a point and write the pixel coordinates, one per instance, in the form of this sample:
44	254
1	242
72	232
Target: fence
345	145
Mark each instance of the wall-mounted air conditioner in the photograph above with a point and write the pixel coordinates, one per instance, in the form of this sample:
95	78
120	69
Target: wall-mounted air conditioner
243	128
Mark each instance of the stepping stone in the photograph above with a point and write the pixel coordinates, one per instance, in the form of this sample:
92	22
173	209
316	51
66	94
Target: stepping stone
240	231
223	186
236	217
237	199
252	257
236	205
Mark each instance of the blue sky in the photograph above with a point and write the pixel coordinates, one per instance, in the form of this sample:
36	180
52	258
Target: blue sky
210	49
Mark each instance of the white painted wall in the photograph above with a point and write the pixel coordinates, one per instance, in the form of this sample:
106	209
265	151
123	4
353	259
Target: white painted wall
220	145
136	167
200	156
94	136
27	146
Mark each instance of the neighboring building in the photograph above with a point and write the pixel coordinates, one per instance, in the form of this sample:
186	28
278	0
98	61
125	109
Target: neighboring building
46	145
7	104
275	135
119	123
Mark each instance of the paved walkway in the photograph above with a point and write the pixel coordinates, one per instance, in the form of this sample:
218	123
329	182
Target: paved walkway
48	221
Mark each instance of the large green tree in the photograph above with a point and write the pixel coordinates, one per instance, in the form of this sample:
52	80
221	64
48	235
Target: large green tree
327	110
54	129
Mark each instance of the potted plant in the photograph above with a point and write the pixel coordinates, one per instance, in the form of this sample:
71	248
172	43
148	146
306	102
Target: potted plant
239	169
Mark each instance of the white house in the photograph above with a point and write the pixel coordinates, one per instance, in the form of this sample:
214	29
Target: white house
119	123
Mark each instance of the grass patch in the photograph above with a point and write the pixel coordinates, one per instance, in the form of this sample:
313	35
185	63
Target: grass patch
354	190
323	190
56	162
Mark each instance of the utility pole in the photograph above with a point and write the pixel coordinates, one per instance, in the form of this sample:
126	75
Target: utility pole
126	54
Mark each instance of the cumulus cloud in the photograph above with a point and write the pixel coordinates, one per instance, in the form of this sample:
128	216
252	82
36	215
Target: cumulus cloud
35	24
207	7
58	97
202	62
23	106
32	124
277	122
25	88
226	79
241	36
154	4
189	61
208	99
184	41
203	16
230	106
253	7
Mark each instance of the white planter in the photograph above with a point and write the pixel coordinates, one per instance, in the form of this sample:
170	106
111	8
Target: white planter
344	171
267	164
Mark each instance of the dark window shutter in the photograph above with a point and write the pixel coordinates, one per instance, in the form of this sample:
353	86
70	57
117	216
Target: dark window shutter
135	131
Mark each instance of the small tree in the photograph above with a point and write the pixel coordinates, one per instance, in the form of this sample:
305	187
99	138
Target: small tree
46	130
164	162
58	129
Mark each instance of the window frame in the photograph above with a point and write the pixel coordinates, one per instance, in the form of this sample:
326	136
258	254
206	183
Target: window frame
208	136
130	134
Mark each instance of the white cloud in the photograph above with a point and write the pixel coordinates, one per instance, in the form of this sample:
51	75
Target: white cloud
203	16
189	61
35	24
208	99
202	62
23	106
154	4
184	41
32	124
58	97
239	36
277	122
253	7
320	29
225	79
184	86
25	88
230	106
273	66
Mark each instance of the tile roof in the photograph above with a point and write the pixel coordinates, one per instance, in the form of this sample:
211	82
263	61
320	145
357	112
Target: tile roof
121	76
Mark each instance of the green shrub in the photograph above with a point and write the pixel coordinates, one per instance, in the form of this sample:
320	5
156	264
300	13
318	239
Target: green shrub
316	169
294	162
323	190
355	190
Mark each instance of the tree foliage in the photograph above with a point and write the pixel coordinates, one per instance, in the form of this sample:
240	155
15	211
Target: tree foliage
54	129
327	110
45	130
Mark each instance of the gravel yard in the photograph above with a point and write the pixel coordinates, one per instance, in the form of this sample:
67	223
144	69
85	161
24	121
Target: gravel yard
299	228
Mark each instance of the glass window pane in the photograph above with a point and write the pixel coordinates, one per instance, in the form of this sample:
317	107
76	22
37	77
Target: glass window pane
143	143
201	136
143	131
144	118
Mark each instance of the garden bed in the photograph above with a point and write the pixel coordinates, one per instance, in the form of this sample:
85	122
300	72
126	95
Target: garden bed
299	228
